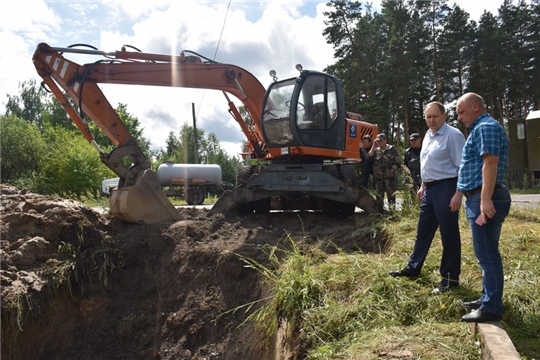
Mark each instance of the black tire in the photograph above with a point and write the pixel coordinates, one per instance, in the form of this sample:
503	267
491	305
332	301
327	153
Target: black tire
332	170
242	176
262	206
347	209
194	195
330	207
346	173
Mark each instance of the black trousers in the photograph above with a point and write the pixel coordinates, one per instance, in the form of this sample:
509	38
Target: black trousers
435	213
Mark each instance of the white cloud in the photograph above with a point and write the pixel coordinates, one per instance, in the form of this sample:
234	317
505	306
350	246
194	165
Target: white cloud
281	38
258	36
477	8
19	36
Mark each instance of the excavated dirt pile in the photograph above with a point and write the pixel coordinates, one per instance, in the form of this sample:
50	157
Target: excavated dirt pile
76	284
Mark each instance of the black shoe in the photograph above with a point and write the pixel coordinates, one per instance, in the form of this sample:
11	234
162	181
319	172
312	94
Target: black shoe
403	272
481	316
443	288
472	304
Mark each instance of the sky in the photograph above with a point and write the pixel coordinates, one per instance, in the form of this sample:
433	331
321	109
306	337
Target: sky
257	35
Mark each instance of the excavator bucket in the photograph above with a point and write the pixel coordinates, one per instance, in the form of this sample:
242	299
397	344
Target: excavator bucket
143	203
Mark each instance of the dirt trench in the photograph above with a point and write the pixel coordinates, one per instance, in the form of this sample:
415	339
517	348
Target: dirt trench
166	292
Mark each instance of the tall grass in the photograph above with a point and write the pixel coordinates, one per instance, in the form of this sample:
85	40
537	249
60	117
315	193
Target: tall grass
346	306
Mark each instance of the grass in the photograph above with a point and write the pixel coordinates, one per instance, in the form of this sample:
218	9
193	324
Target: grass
345	306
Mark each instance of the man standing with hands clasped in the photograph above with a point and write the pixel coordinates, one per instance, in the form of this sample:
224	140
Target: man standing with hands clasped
481	176
439	163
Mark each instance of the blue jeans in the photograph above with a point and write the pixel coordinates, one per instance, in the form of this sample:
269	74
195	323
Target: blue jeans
435	213
486	247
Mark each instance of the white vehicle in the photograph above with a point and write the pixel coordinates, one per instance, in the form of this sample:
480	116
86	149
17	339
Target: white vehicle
189	181
107	185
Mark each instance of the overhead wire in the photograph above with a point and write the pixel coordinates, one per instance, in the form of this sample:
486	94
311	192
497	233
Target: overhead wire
217	48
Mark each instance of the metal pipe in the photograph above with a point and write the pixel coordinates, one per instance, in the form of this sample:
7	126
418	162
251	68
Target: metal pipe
84	51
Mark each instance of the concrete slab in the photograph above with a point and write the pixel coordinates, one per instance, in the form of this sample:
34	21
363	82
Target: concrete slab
496	344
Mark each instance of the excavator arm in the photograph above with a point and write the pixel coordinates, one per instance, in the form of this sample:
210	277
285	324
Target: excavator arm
80	82
138	187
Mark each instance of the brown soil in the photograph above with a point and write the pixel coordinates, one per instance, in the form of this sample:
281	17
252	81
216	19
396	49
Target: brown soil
169	296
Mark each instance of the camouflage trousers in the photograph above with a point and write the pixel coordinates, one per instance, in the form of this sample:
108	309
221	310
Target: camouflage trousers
388	187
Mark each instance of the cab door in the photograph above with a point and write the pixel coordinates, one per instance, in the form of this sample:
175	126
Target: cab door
319	113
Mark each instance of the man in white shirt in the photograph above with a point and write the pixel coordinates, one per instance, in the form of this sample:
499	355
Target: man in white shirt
439	163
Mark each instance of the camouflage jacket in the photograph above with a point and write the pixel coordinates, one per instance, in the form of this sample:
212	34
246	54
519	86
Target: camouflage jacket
385	162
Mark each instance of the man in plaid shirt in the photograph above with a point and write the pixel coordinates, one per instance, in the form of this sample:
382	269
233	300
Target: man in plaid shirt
480	179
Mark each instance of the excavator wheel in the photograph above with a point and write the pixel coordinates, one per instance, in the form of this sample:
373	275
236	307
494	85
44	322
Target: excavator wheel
331	207
143	203
262	206
346	173
242	176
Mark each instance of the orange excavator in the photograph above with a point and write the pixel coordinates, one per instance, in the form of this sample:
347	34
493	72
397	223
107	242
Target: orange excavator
301	143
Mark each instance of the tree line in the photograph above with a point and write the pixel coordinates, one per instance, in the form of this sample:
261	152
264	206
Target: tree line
393	62
41	149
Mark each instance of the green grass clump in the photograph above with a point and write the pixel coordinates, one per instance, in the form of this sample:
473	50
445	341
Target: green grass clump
346	306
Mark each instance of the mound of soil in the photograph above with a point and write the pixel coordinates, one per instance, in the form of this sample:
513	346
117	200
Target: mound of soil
162	291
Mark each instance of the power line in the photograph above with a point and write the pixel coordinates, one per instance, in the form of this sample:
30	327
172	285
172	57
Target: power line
217	48
222	29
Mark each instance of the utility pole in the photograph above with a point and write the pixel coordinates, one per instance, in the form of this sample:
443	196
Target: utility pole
195	134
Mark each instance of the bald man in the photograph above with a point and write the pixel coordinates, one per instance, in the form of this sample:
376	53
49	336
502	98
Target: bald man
480	179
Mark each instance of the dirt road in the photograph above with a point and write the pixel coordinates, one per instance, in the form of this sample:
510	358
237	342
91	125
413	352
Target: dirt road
526	200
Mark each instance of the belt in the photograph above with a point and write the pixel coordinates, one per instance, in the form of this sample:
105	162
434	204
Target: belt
478	190
433	183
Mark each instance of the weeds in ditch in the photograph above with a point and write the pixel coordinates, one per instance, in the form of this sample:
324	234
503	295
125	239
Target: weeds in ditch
14	312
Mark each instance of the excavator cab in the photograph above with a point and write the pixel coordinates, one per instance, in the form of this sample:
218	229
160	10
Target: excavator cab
304	111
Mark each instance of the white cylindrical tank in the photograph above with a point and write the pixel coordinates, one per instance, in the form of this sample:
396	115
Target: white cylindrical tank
182	174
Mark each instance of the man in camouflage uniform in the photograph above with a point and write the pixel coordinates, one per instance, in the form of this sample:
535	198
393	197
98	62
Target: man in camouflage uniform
386	161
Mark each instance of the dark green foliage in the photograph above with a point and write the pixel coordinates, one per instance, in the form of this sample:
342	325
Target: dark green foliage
393	62
70	167
21	150
42	150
